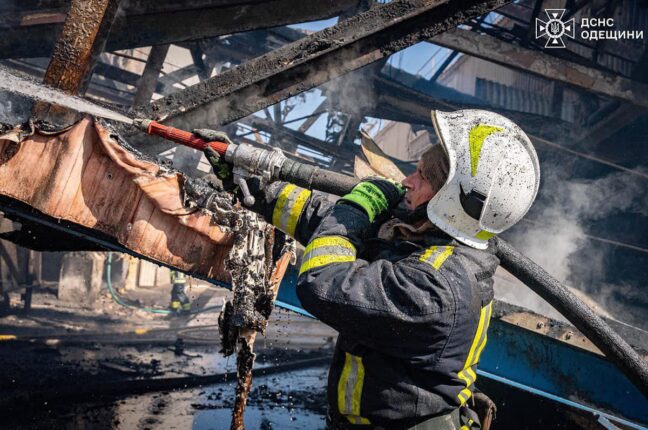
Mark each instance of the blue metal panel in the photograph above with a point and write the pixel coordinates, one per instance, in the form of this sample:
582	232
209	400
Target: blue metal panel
540	362
287	296
560	369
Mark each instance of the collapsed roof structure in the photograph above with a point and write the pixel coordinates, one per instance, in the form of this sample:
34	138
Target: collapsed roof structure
249	68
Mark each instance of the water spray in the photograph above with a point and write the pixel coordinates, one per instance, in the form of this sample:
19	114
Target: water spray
36	91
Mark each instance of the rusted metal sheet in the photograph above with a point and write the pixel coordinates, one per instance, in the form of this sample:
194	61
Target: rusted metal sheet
86	177
510	55
315	59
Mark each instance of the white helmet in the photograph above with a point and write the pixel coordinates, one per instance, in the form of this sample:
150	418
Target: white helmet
493	175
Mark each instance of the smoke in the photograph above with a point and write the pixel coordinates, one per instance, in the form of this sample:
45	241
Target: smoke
555	234
352	93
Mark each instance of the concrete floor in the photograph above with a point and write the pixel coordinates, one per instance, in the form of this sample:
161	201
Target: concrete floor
55	356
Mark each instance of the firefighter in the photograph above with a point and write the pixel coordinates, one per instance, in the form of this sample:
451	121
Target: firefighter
404	272
179	300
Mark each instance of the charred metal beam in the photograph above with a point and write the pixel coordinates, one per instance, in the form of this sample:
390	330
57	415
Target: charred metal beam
405	98
83	37
172	26
176	77
204	68
115	73
350	131
297	137
442	68
315	59
491	49
148	81
319	110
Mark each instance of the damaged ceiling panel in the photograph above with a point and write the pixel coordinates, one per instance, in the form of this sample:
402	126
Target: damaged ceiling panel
86	177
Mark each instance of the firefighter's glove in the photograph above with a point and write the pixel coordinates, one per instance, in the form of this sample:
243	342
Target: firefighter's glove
375	196
212	135
222	169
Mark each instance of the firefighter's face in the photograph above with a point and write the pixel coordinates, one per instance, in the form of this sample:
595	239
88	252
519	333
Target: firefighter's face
419	190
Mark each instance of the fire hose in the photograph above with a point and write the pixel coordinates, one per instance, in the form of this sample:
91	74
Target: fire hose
272	165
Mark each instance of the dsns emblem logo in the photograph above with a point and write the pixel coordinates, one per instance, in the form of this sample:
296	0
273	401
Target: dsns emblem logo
554	29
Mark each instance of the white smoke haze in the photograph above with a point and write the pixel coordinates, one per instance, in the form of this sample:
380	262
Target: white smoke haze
554	236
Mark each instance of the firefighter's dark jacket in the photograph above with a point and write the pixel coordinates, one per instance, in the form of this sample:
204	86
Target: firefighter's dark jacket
412	316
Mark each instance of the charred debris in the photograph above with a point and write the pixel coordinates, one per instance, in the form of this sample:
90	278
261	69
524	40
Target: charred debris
574	103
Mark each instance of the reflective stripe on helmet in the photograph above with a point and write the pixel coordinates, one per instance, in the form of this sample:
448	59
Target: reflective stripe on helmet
476	138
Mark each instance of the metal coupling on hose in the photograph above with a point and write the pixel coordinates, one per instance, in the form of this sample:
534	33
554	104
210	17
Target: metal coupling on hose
142	123
250	161
257	161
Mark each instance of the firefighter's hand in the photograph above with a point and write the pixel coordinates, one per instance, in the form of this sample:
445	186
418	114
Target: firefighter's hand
375	195
212	135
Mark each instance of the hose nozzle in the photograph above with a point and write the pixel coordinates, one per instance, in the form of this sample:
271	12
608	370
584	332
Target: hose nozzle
142	123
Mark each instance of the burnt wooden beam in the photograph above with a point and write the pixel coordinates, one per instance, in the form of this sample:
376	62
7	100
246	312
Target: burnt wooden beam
83	37
319	110
314	60
297	138
196	24
491	49
173	26
405	98
84	33
350	131
134	6
149	79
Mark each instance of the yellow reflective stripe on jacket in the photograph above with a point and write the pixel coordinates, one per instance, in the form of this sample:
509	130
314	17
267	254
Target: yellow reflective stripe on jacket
467	426
325	250
289	206
467	374
350	389
435	256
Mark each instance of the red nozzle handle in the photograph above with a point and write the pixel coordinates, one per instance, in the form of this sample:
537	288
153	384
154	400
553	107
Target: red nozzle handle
184	137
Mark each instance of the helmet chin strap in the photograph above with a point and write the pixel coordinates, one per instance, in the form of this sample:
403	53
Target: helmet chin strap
402	212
